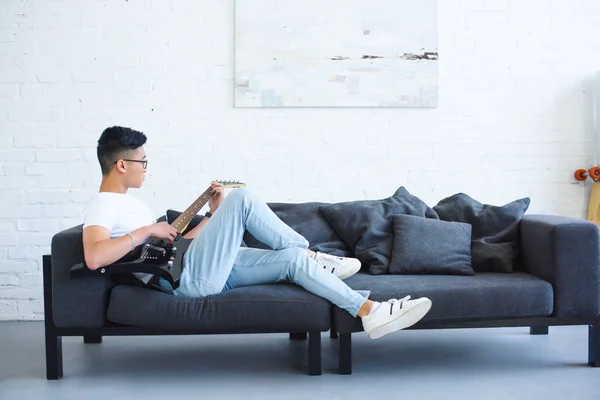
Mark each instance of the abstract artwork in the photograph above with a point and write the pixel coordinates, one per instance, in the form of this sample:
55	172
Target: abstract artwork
336	53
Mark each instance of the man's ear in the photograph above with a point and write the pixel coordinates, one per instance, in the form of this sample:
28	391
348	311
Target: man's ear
120	165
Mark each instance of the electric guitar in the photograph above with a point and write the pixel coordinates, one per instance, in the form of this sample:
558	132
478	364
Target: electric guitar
159	252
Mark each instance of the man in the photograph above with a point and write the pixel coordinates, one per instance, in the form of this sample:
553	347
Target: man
215	260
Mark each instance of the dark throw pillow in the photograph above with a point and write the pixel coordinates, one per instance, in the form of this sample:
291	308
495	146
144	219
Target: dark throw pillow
430	246
495	229
305	219
366	225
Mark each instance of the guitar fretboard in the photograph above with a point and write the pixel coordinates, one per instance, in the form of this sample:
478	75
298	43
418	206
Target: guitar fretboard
184	219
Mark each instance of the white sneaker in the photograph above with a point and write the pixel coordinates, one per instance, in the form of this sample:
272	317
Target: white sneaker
342	267
394	315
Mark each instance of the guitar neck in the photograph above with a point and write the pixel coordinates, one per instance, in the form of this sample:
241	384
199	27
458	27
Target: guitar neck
184	219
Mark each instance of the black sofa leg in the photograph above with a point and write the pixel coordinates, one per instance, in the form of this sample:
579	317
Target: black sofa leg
314	353
333	334
92	339
345	361
298	336
538	330
54	362
594	344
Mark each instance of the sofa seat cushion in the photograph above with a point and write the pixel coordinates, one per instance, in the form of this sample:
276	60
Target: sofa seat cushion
252	309
484	296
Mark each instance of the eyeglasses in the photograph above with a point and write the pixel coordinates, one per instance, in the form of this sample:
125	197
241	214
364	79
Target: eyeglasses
144	162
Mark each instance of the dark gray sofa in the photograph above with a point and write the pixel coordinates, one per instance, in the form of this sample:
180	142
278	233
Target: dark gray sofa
557	282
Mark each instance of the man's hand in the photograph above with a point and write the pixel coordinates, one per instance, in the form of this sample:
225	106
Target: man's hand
162	230
217	196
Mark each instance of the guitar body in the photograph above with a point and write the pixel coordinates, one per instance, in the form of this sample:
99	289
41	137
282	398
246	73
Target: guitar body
160	253
181	246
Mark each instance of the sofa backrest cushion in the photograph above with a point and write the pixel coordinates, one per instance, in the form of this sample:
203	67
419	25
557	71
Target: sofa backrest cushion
366	226
430	246
495	234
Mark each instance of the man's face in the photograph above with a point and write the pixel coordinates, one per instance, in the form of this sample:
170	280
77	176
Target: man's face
133	167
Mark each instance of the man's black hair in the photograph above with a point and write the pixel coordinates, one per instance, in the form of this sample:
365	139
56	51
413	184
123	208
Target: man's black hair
114	142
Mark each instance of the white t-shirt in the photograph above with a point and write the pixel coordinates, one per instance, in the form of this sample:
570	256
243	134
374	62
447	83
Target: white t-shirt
121	214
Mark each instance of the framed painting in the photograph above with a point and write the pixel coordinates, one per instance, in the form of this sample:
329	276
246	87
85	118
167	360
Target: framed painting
336	53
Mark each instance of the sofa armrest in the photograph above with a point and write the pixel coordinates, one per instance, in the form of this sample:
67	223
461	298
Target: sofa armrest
565	252
75	302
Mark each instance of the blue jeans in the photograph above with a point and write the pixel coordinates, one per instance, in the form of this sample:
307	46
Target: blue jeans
216	262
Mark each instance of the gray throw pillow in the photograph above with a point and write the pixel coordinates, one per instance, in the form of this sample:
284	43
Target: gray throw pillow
366	226
305	219
431	246
495	234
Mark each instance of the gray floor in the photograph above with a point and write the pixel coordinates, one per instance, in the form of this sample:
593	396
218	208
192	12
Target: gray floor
499	363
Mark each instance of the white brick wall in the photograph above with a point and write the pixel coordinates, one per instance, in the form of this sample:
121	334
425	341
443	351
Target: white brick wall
514	117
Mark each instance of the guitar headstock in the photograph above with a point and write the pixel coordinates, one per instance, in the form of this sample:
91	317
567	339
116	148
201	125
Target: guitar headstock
231	184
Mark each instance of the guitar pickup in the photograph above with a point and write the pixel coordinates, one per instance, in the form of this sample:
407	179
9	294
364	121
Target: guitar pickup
162	251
